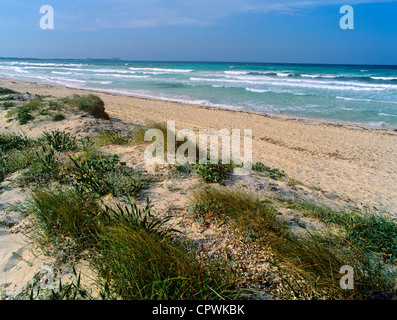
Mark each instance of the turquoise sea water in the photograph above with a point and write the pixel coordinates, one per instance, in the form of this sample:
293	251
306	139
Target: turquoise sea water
358	94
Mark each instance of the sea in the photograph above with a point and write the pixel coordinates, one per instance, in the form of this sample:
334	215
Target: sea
360	94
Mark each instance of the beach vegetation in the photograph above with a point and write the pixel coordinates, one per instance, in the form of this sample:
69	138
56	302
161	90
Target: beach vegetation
60	141
4	91
8	104
91	104
58	117
111	137
310	264
369	230
139	264
181	171
65	213
215	173
266	171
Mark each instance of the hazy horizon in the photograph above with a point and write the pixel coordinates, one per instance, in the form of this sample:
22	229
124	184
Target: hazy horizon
201	61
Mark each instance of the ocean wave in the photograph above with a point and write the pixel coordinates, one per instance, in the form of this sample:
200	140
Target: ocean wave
384	78
294	83
387	114
161	70
256	90
353	99
128	76
59	72
237	72
47	64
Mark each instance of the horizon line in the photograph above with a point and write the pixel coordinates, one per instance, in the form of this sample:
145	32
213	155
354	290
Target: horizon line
203	61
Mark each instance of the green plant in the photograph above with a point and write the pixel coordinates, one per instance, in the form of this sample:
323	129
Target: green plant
8	104
138	135
241	208
58	117
90	103
139	264
47	164
267	171
6	98
13	141
313	264
127	181
64	213
88	177
181	171
4	91
111	137
137	218
23	115
60	141
214	172
370	231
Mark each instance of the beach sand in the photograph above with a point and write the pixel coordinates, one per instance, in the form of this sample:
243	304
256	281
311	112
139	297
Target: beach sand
355	162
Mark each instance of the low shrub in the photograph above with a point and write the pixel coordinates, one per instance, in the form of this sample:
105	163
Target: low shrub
89	103
4	91
13	141
266	171
216	173
60	141
58	117
111	137
8	104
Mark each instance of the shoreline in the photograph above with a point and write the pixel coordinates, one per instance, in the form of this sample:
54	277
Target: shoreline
353	161
306	120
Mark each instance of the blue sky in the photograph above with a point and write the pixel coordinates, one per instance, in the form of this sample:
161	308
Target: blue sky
202	30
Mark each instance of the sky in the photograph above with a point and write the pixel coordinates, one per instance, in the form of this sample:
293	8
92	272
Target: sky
286	31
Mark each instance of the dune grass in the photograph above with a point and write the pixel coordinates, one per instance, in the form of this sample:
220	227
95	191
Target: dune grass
15	153
243	209
4	91
91	104
312	262
142	265
266	171
372	231
133	251
111	137
63	213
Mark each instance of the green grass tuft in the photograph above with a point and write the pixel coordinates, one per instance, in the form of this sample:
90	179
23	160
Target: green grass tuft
90	103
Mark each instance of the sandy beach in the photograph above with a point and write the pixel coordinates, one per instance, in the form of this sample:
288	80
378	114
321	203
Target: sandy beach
355	162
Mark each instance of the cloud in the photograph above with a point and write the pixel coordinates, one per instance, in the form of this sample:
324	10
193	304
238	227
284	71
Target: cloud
105	14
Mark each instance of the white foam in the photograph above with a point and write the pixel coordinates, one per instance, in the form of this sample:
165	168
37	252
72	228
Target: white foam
58	72
236	72
387	114
384	78
301	83
47	64
128	76
256	90
161	70
353	99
